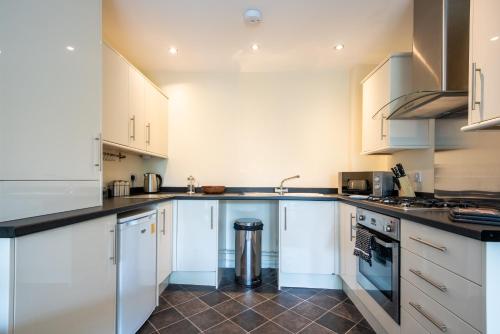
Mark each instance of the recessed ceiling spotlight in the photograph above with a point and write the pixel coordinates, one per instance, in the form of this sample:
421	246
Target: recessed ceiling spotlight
253	16
494	38
173	50
70	48
255	47
339	47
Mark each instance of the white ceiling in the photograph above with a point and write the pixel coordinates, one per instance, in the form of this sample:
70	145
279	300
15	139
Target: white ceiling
295	35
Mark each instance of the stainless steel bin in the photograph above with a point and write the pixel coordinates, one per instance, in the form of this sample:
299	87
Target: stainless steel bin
248	251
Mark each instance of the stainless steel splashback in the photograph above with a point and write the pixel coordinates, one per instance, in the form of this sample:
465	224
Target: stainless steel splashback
466	164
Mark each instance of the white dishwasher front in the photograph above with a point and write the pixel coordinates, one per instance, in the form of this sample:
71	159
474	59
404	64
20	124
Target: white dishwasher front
136	279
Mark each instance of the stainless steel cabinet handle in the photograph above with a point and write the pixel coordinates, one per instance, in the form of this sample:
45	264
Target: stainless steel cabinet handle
438	286
98	139
382	135
164	218
352	226
427	243
113	257
211	217
148	127
285	218
474	86
132	119
442	327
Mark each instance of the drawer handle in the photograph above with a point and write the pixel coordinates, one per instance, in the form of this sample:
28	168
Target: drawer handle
439	248
441	287
442	327
353	228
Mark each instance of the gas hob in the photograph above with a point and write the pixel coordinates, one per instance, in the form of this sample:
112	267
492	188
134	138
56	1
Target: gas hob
416	203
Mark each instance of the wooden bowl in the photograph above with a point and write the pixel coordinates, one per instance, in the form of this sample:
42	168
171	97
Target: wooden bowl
213	190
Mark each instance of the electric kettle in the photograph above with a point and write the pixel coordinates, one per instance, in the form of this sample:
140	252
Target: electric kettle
152	182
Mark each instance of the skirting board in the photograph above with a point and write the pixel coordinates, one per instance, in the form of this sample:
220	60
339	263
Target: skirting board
309	281
193	277
226	259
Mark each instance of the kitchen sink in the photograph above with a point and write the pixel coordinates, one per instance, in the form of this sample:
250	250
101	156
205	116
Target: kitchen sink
150	196
285	194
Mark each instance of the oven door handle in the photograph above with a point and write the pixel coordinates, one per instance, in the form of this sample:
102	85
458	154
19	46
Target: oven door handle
383	243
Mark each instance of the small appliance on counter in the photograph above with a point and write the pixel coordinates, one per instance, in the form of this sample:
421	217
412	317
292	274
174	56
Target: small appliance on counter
402	181
119	188
213	190
152	182
366	183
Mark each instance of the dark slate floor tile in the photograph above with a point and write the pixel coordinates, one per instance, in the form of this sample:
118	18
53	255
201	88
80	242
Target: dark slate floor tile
227	327
174	287
207	319
270	328
314	328
146	329
250	299
165	318
361	330
365	323
175	297
348	301
249	320
269	309
323	301
163	304
286	300
336	293
191	307
234	290
199	290
302	292
181	327
267	290
335	323
309	310
230	308
291	321
214	298
347	311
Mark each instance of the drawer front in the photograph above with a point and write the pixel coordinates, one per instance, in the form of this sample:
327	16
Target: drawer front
459	254
460	296
410	325
429	314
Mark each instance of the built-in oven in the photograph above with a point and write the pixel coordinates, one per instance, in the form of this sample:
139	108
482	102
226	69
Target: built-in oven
380	279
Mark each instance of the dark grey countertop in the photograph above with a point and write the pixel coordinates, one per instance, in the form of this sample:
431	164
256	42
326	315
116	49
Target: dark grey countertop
437	219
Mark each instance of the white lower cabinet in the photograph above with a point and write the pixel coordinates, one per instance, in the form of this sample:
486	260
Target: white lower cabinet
164	234
196	225
65	279
307	237
347	222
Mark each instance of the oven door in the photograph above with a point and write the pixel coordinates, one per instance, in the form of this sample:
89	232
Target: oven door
381	278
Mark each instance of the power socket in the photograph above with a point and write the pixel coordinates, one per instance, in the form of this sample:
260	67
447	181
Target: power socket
418	177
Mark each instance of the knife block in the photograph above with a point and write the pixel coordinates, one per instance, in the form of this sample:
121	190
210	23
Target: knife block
405	189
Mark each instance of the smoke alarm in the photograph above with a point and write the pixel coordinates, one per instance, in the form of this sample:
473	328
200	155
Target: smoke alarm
253	16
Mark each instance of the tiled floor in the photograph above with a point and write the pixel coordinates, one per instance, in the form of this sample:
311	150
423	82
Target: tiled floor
186	309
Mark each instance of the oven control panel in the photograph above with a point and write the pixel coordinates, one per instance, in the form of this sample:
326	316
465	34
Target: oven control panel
378	222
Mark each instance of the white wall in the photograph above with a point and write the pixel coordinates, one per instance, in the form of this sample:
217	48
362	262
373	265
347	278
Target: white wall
253	129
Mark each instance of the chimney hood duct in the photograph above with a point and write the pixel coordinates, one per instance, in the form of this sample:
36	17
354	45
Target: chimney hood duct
440	62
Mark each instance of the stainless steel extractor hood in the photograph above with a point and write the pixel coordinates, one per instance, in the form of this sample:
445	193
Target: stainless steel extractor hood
439	61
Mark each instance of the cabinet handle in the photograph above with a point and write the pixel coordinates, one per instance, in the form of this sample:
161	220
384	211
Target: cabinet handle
442	327
382	119
132	119
164	218
113	257
352	227
438	286
148	127
211	217
474	86
427	243
285	219
98	139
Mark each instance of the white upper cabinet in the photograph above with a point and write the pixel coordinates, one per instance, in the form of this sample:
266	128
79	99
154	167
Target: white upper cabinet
164	233
50	90
347	222
307	237
387	82
115	100
156	121
65	279
135	112
196	235
484	78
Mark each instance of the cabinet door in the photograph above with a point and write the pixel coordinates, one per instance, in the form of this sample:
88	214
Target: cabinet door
156	120
347	221
137	109
65	278
50	90
484	54
372	124
164	230
307	237
115	120
196	235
